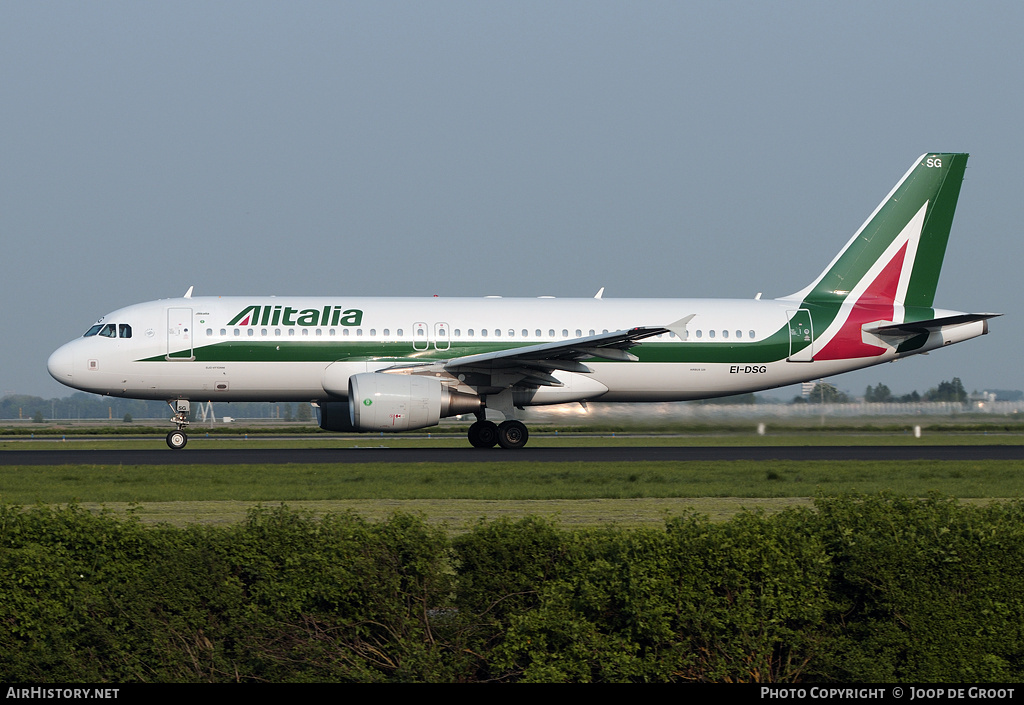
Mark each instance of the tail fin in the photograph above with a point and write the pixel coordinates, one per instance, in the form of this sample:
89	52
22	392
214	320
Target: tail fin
896	255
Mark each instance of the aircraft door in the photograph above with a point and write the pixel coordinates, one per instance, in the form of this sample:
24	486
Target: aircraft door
419	336
442	339
179	334
801	336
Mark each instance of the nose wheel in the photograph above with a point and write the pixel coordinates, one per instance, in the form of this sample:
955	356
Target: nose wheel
176	440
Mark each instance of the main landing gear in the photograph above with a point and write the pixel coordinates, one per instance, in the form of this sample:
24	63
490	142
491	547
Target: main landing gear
176	440
487	434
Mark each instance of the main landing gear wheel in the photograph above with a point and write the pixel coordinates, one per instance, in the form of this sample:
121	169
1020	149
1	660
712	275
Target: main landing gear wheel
483	434
176	440
513	434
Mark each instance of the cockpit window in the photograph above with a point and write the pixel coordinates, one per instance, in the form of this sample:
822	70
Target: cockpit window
110	330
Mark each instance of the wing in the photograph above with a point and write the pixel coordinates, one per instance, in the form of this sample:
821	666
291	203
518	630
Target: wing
532	365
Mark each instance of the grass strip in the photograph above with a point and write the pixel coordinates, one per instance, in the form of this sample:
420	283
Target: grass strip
504	481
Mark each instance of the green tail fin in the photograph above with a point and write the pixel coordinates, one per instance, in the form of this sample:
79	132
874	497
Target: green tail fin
897	253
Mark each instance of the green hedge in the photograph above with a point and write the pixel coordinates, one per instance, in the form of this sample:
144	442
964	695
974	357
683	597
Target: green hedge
860	589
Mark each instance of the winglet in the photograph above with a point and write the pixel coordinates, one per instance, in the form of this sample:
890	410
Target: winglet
188	294
600	293
679	327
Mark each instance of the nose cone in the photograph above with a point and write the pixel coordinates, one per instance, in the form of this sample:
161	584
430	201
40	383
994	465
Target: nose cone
61	365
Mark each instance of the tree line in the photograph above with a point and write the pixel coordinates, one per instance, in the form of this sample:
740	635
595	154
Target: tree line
946	391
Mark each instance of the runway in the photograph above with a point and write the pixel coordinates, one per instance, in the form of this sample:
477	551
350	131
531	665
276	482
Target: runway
312	456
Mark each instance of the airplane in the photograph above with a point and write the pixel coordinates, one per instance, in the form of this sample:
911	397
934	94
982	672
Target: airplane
400	364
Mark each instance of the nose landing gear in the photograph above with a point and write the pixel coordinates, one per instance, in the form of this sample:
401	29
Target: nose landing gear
176	440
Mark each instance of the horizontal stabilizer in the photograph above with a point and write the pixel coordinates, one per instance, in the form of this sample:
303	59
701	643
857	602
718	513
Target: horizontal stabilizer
912	328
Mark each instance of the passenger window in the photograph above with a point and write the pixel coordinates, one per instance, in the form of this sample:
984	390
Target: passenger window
699	333
751	335
209	332
526	333
711	333
591	331
725	334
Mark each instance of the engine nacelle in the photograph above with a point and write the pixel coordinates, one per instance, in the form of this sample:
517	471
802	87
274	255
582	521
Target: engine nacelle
392	403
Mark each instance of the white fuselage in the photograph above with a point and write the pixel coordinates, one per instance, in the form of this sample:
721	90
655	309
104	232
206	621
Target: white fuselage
303	349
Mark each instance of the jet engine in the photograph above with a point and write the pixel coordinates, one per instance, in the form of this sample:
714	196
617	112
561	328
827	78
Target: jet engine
392	403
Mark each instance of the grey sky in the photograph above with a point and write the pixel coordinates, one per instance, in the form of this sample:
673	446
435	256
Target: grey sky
671	149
